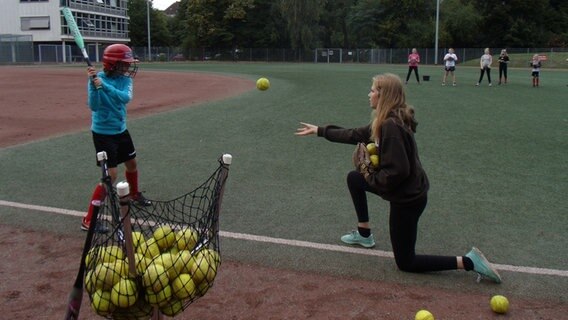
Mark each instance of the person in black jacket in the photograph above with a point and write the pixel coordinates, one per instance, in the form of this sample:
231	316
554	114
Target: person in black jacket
503	64
398	178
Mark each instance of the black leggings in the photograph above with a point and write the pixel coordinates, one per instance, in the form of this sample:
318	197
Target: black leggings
488	74
502	71
410	68
403	226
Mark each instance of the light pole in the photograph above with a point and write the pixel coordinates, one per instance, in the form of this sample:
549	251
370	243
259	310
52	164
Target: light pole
148	23
437	27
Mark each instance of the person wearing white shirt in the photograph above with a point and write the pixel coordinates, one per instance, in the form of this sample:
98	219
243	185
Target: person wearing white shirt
450	60
485	66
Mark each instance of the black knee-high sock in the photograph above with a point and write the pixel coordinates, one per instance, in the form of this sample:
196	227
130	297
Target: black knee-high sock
467	263
364	232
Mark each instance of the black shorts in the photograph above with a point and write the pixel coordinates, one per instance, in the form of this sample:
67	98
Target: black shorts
535	74
450	68
119	147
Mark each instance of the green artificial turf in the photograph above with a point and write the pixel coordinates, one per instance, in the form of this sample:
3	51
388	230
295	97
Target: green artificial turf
495	157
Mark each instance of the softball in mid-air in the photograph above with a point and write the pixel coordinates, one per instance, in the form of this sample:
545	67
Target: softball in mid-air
262	84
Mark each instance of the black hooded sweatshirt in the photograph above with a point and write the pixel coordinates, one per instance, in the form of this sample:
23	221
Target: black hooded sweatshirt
400	177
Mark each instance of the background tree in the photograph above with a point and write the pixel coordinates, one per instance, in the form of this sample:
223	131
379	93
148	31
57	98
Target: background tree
393	23
159	28
307	24
417	22
460	25
179	26
138	25
215	22
263	27
513	23
363	22
302	20
558	23
335	31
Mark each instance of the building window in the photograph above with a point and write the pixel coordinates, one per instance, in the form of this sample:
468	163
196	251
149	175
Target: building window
103	3
96	25
86	23
34	23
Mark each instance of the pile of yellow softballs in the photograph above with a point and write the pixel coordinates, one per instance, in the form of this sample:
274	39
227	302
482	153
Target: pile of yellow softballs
373	154
167	276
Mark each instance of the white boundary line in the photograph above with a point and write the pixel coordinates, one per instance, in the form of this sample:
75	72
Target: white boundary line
298	243
42	208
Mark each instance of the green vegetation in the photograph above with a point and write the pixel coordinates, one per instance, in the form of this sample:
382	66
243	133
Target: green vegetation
306	24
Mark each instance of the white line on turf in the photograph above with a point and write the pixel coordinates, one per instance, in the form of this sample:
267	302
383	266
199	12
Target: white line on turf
298	243
42	208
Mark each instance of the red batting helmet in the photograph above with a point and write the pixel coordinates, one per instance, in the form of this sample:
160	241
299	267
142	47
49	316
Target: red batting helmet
118	55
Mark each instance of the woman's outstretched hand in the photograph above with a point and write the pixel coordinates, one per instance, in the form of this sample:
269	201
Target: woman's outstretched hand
306	129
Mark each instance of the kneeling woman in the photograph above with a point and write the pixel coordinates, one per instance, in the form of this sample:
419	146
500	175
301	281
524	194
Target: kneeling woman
399	178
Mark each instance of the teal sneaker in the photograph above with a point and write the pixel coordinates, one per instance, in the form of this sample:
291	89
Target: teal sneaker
355	238
482	266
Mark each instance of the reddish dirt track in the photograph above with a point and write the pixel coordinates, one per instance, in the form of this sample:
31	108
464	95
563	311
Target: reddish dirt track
42	102
37	269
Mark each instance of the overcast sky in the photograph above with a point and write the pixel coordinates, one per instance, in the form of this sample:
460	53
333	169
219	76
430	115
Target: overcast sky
162	4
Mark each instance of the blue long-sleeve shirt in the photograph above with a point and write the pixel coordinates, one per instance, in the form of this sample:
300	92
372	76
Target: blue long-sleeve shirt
108	104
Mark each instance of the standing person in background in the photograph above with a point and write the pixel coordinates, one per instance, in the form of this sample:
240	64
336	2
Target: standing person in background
236	53
413	61
535	65
450	60
109	92
503	63
398	178
485	65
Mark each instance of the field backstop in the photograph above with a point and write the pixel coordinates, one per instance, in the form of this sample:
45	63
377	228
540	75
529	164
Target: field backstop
16	49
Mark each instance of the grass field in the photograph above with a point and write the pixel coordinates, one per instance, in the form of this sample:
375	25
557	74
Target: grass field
495	156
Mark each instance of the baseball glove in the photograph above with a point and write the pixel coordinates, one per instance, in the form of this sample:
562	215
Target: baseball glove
361	156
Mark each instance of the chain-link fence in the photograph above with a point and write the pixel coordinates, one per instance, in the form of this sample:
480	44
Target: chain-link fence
556	57
16	49
52	53
26	52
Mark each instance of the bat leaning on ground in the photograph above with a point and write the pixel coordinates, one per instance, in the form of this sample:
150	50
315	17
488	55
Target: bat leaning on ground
76	295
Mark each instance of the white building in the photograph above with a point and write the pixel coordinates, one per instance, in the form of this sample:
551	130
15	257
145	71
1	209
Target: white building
100	21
